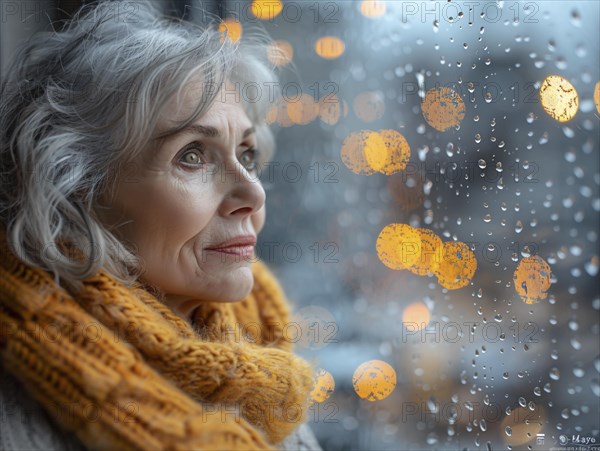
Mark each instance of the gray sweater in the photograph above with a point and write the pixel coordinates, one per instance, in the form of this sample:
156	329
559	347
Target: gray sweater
24	425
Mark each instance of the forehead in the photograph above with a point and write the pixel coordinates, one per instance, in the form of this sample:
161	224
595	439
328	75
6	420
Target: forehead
226	109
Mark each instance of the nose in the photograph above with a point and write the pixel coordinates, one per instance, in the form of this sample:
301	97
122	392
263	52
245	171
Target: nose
243	194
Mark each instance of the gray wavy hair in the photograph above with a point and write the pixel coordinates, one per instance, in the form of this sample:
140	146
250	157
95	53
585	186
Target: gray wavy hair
79	104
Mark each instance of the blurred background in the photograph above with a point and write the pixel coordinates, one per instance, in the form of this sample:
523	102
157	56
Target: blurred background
410	362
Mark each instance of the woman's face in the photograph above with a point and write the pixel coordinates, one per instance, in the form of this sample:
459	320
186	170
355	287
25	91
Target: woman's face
197	189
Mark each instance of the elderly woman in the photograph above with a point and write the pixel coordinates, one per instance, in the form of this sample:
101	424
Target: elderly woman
133	311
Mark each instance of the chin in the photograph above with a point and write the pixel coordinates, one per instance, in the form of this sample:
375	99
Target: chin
234	287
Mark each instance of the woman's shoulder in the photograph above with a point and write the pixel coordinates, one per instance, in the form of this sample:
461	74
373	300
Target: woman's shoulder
24	423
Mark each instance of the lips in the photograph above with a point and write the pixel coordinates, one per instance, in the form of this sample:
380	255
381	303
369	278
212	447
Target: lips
236	244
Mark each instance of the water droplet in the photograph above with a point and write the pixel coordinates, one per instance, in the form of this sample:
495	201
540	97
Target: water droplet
522	402
487	218
508	430
592	266
432	405
595	386
482	164
483	425
505	375
554	373
537	391
432	438
581	51
575	18
519	227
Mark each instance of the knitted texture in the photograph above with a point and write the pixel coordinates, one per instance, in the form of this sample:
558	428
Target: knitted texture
122	371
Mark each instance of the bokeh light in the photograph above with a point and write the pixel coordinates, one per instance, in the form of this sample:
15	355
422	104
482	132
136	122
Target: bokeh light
457	267
398	246
330	47
431	255
559	98
375	151
387	151
372	8
369	106
353	153
278	114
331	109
443	108
416	315
266	9
374	380
532	279
232	29
303	110
324	386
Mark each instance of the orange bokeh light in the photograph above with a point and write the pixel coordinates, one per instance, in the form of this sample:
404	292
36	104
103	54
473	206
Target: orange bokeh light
374	380
324	386
398	246
443	108
416	314
231	29
532	279
457	267
266	9
372	8
431	255
330	47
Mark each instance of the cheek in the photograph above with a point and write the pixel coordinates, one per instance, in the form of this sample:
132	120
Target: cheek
164	211
258	219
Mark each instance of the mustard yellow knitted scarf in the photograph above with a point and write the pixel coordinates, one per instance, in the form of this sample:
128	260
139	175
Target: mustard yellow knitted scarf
122	371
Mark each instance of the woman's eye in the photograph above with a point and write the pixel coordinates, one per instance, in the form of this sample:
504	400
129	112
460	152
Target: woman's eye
250	159
192	157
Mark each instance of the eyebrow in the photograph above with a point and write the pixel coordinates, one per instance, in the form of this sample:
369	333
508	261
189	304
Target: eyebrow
206	130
